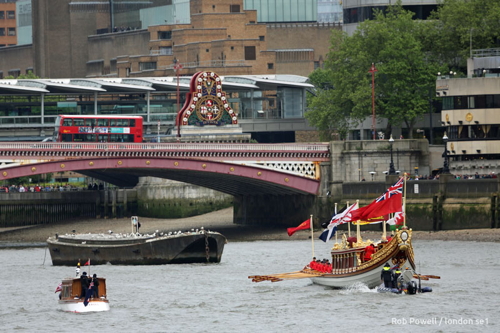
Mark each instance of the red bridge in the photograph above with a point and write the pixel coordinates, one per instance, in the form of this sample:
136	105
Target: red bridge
236	169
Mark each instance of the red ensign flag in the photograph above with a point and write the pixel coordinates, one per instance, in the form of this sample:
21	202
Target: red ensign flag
304	225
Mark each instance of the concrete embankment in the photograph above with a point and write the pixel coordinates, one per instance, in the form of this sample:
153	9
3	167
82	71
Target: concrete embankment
220	221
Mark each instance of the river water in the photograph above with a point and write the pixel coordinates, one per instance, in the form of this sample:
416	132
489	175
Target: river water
220	297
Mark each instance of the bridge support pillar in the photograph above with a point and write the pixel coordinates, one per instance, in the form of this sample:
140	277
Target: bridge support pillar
268	210
113	203
106	203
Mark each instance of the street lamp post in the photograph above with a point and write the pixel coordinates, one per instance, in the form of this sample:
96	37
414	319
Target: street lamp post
373	70
446	169
177	68
392	171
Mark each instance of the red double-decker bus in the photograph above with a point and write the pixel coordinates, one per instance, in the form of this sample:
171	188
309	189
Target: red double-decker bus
77	128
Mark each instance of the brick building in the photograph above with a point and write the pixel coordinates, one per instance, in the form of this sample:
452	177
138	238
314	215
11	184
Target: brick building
8	32
220	36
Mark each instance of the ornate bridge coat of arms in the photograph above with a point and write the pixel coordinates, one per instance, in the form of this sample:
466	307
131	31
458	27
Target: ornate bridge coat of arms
206	103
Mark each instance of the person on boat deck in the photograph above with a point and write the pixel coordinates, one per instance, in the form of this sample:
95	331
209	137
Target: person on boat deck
95	286
387	276
369	251
397	273
85	281
312	263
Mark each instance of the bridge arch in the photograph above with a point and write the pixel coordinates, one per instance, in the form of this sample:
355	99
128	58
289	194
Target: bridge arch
234	179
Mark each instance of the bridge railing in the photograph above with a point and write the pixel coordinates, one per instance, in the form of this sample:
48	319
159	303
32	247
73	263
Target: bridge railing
225	147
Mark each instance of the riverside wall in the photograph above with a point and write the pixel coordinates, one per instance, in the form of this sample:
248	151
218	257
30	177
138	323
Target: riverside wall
431	205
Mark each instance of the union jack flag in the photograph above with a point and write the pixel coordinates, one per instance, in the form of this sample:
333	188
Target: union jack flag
393	190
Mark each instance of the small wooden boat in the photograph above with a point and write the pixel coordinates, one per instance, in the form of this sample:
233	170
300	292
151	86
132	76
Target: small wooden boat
196	246
71	297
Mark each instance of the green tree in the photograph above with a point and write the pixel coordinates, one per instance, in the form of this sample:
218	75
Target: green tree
459	26
403	82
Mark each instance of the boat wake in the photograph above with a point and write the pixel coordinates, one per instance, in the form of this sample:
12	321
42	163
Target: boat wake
357	288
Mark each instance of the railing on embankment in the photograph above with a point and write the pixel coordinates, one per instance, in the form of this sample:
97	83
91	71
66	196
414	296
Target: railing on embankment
433	205
35	208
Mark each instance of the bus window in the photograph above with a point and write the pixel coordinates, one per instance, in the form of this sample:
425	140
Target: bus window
78	122
78	137
102	122
122	122
90	122
103	138
68	122
66	138
132	122
113	122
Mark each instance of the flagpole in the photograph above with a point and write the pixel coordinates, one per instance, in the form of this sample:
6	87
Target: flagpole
358	228
358	231
348	225
384	230
336	232
404	200
312	235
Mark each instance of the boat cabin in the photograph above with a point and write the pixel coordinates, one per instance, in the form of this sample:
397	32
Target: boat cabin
72	288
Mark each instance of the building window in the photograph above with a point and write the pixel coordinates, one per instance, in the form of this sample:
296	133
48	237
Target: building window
1	75
164	34
165	50
11	15
15	73
2	31
145	66
2	15
12	31
270	65
262	38
250	53
234	8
